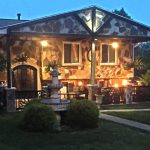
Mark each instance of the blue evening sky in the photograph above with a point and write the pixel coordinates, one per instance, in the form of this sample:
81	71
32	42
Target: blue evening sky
139	10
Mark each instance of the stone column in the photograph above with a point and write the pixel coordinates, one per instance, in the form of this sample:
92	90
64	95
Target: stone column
10	99
92	87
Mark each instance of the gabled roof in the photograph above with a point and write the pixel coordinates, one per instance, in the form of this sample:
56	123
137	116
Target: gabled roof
91	21
8	22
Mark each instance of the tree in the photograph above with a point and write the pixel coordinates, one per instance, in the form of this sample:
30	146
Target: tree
142	51
145	78
122	12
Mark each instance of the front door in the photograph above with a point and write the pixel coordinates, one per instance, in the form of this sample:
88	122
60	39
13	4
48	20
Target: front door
25	78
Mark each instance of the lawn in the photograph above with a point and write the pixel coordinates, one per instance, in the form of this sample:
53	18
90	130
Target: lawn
129	106
108	136
140	116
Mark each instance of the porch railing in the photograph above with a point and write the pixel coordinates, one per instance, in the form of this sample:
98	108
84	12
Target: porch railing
117	95
111	95
23	97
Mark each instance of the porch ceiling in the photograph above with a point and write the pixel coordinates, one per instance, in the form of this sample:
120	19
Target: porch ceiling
89	22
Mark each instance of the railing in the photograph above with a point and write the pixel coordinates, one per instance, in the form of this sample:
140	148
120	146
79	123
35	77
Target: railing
111	95
23	97
117	95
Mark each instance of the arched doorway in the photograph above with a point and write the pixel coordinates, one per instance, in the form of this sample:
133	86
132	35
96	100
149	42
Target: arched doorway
25	77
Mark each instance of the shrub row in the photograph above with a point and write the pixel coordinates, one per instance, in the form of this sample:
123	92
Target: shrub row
38	117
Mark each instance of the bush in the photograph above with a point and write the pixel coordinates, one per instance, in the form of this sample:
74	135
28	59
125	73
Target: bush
38	117
82	114
33	101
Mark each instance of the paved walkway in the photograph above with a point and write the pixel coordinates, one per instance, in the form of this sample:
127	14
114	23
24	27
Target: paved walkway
125	122
124	110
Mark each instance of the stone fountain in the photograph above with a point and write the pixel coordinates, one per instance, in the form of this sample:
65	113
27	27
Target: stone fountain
55	101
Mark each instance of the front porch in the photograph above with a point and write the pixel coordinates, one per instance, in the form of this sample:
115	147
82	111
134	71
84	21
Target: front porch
91	46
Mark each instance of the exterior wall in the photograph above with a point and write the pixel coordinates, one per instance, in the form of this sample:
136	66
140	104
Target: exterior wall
2	45
54	50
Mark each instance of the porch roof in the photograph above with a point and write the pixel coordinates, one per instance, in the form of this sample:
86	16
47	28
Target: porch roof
92	22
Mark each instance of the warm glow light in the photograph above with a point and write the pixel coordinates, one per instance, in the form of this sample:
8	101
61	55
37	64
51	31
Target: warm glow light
44	43
115	45
124	82
116	85
80	83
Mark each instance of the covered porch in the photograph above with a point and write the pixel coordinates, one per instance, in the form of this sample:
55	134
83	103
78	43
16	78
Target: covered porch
91	47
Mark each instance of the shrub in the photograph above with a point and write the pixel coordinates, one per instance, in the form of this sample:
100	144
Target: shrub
38	117
33	101
82	114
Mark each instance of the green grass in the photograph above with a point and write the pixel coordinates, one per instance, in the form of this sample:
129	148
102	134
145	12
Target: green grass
142	116
108	136
129	106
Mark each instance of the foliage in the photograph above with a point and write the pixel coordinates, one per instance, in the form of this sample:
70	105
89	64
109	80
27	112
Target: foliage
21	58
51	65
33	101
38	118
143	51
82	114
145	78
122	12
138	64
108	136
2	62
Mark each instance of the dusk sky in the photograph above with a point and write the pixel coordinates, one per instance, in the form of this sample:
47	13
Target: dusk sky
139	10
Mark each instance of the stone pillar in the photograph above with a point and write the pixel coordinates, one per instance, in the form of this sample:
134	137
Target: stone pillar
10	99
128	94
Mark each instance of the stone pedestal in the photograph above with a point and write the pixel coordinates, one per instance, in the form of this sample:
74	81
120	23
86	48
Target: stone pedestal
91	91
10	99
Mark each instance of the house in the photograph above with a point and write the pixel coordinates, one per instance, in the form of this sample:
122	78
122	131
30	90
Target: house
92	46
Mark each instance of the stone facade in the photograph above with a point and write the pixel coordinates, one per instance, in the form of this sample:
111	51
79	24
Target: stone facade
54	51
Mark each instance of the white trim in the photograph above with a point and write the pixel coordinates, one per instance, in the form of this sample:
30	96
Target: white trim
116	55
80	55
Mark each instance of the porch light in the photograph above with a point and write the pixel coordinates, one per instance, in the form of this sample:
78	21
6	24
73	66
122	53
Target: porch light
44	43
124	82
115	45
116	85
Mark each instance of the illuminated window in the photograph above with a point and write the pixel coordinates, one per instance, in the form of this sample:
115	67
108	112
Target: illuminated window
71	53
108	54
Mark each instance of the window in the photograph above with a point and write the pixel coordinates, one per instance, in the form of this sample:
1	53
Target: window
71	53
108	54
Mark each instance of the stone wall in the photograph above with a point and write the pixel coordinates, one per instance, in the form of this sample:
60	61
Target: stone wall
53	51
